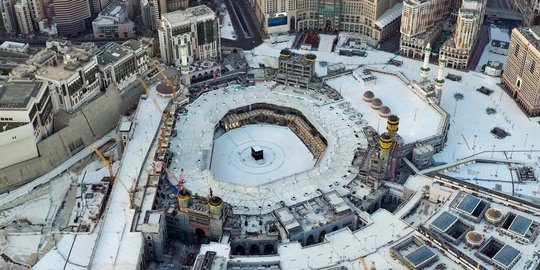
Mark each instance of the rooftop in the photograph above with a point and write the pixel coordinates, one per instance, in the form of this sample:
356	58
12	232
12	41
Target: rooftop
17	94
444	221
506	255
468	204
191	14
112	55
420	256
520	225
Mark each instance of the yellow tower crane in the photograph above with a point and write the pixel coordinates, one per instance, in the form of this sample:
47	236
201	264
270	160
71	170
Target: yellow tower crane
365	266
107	162
169	82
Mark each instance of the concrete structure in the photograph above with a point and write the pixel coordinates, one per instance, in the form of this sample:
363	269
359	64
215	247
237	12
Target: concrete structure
113	22
150	14
197	28
24	18
26	117
36	10
121	64
154	232
74	78
377	20
8	17
521	76
72	16
295	69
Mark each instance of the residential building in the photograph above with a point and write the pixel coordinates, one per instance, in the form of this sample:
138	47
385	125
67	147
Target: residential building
26	117
197	28
72	16
99	5
36	10
166	6
121	64
24	18
113	22
8	17
521	76
73	77
377	20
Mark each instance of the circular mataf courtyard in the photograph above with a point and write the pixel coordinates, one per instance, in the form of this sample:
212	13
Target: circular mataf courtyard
284	154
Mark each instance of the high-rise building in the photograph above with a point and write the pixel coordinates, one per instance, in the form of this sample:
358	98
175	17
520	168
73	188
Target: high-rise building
377	19
72	16
24	18
99	5
521	76
36	10
197	28
8	17
151	11
421	23
458	48
429	21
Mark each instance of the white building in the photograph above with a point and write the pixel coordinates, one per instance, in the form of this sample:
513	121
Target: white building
26	116
73	78
197	27
114	22
121	64
24	18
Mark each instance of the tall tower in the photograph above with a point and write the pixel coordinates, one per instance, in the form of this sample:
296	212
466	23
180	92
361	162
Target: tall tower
424	70
184	65
440	79
392	125
216	216
385	143
24	18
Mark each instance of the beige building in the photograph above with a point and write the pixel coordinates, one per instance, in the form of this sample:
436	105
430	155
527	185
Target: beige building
457	49
24	18
72	16
376	19
431	21
422	23
521	76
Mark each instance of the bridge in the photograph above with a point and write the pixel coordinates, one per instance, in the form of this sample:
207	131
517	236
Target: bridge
502	13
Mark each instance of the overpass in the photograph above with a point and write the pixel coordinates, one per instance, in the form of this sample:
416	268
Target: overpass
501	13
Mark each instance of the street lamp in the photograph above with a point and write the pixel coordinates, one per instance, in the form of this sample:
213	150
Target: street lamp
512	154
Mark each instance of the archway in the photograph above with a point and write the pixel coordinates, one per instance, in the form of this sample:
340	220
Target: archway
310	240
254	250
321	236
239	250
201	235
292	23
268	249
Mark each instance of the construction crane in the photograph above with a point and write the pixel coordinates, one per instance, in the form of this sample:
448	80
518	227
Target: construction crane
149	94
364	264
108	163
179	181
169	82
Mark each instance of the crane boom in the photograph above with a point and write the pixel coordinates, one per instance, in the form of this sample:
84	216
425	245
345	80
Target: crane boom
147	90
364	264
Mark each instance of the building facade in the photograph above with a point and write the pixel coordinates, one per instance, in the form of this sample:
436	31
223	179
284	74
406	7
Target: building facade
376	19
529	9
8	17
197	28
26	117
72	16
24	18
453	33
121	64
73	78
521	76
114	21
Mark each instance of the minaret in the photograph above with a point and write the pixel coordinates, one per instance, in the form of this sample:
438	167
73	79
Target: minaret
184	65
440	78
424	70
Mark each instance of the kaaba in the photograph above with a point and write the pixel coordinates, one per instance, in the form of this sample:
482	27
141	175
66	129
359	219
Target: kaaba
257	152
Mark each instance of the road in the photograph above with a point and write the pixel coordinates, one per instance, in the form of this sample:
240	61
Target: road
244	24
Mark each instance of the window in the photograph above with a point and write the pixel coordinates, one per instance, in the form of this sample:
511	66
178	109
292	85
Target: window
533	66
516	51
